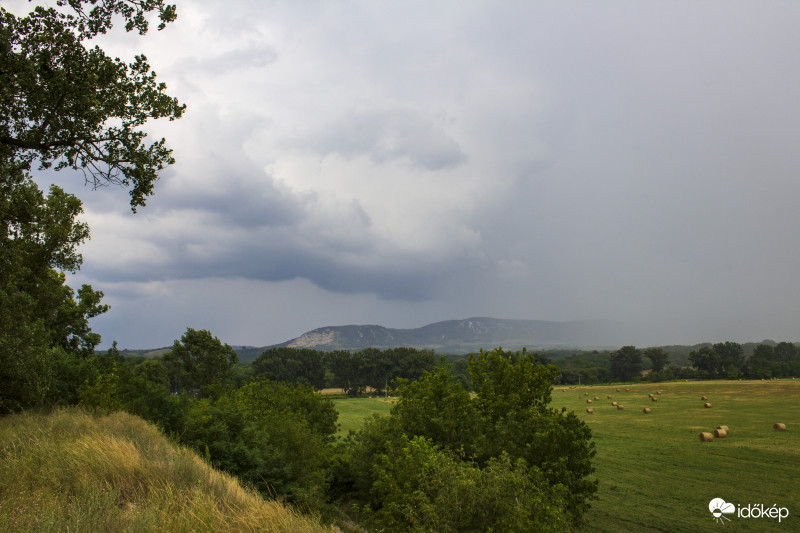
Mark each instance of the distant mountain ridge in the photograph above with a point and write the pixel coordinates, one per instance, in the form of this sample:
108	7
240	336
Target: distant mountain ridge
468	335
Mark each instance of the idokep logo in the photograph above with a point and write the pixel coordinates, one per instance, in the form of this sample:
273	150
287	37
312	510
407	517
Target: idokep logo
719	508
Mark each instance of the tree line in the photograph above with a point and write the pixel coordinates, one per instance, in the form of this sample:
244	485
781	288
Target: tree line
723	360
353	372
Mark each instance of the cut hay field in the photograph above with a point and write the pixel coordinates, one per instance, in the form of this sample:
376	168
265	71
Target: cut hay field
656	476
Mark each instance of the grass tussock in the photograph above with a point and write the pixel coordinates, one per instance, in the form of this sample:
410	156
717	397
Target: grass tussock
71	471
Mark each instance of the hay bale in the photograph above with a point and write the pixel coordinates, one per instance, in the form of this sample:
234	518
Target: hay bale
626	390
726	429
617	390
609	396
646	410
720	433
659	392
620	407
779	427
703	398
706	437
597	398
706	405
654	399
586	394
589	400
650	395
614	404
590	410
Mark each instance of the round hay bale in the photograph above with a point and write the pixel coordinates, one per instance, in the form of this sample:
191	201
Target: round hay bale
726	429
720	433
614	404
703	398
590	410
659	392
646	410
706	405
706	437
650	395
586	394
626	390
589	400
620	407
597	398
654	399
617	390
609	396
779	427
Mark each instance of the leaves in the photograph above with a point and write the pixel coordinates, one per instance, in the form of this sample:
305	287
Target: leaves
71	106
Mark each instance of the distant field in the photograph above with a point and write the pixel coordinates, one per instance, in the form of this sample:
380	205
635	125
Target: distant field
655	474
352	411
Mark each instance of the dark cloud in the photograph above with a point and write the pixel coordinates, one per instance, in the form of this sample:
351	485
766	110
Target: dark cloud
521	160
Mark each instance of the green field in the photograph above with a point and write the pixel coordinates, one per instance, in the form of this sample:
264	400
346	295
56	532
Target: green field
352	411
656	475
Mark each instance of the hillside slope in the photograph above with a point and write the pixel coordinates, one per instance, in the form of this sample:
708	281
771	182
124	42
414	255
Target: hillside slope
70	471
469	335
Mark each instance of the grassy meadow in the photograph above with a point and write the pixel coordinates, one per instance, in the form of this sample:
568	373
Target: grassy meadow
70	471
655	475
352	411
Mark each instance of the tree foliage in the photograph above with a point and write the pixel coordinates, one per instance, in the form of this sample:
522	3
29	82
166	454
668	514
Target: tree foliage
199	361
275	436
626	363
502	460
658	358
67	104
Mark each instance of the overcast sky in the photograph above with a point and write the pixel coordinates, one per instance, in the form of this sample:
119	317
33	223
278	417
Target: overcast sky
405	162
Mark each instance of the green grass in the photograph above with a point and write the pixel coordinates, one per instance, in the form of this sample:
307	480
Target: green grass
352	411
656	476
70	471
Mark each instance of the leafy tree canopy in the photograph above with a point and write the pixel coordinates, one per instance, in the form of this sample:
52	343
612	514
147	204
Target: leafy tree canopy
200	361
67	104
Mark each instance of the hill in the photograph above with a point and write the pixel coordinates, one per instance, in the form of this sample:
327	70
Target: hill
469	335
70	471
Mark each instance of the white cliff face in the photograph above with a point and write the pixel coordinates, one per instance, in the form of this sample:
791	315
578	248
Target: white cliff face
314	339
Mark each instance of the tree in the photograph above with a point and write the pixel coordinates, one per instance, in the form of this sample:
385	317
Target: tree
730	359
440	447
513	397
66	104
199	361
658	358
705	360
41	319
274	436
292	365
626	363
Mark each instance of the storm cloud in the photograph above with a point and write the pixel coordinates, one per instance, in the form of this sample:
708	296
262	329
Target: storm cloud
406	162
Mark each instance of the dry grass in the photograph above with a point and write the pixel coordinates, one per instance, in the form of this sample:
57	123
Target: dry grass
70	471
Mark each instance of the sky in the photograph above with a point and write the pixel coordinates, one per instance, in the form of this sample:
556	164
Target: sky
405	162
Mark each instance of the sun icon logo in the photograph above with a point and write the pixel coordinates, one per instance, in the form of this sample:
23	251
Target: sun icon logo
719	507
